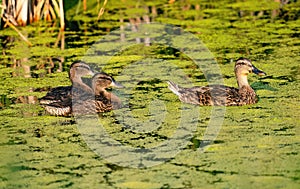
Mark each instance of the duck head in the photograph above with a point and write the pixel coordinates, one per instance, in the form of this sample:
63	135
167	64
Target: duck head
101	81
79	69
243	67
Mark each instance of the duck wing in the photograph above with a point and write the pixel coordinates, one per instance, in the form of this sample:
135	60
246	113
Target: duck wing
59	108
217	95
57	94
194	95
58	101
92	104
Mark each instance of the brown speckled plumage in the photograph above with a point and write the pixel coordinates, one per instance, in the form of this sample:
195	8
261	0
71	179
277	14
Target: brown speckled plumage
101	100
219	95
58	101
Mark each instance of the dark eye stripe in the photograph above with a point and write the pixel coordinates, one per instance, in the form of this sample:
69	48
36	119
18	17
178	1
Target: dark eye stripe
243	63
104	78
83	66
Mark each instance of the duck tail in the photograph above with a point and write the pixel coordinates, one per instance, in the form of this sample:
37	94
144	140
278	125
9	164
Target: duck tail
174	87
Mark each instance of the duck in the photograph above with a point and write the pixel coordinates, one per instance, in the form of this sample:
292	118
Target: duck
58	101
222	95
102	100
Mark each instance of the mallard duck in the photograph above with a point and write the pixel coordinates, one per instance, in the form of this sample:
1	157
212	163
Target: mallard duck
58	101
101	100
219	94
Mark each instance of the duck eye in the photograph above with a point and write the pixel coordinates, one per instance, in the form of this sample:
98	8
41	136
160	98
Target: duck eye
87	68
242	63
104	78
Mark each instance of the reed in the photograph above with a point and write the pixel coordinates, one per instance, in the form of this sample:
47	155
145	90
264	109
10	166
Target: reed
22	12
25	11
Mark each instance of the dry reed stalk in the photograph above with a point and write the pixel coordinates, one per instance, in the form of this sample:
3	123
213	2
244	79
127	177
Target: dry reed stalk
61	15
21	35
101	11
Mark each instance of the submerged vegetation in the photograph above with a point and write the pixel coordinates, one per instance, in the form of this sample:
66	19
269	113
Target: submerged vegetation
257	146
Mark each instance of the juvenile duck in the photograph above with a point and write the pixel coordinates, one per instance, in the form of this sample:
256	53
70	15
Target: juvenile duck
222	95
101	100
58	101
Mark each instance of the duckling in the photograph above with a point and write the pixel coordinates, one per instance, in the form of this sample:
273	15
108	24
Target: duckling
220	95
58	101
102	100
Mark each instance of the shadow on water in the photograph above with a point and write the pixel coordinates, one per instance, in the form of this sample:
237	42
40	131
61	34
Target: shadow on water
261	85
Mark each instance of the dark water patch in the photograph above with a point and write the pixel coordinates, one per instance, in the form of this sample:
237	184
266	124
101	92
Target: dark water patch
57	171
245	120
292	153
5	101
218	142
285	134
191	166
22	131
199	77
295	73
79	167
227	76
285	145
3	179
282	77
114	167
262	85
75	138
36	149
268	51
296	35
64	122
143	88
295	178
289	14
196	143
248	146
16	168
143	136
17	141
63	181
284	128
37	132
168	51
265	97
214	172
150	82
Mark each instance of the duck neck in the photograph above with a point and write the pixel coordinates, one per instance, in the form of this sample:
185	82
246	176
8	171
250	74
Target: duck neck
102	92
113	99
77	82
242	81
246	93
76	79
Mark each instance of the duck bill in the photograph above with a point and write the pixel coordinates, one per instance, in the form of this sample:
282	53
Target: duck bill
116	85
258	72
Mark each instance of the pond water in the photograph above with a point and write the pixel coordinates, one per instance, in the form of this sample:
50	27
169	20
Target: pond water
257	146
